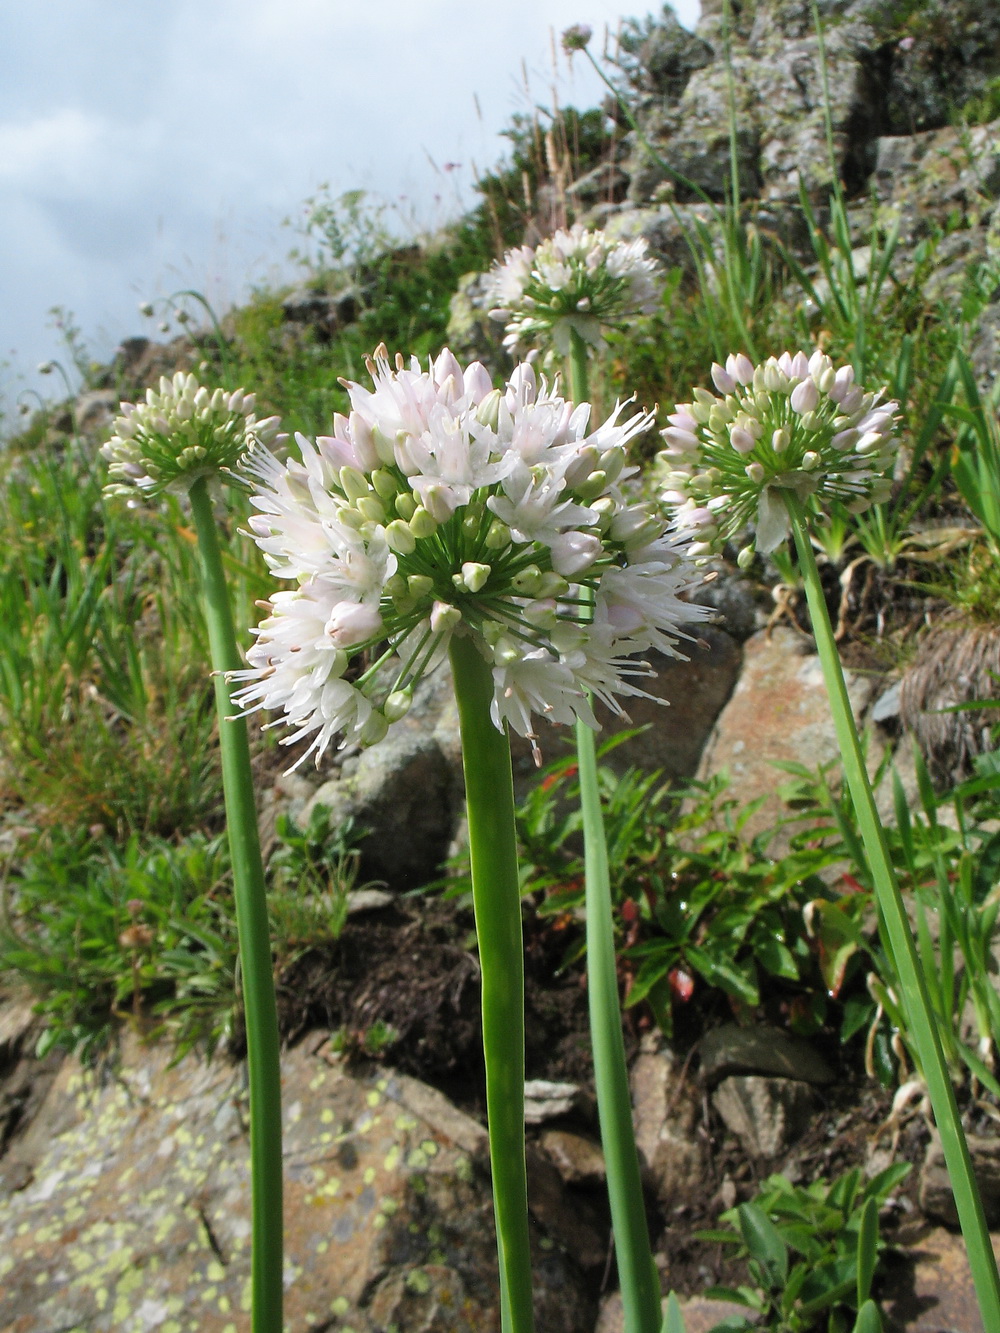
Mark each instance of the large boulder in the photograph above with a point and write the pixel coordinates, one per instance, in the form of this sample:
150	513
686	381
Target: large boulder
132	1212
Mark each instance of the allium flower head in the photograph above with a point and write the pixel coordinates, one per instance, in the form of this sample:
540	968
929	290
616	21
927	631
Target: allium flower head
577	279
794	424
182	431
577	37
442	506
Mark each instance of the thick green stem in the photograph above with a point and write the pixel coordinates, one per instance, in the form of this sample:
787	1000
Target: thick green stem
496	892
254	936
637	1276
899	940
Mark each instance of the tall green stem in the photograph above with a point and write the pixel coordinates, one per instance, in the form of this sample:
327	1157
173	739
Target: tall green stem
252	923
899	939
496	892
637	1276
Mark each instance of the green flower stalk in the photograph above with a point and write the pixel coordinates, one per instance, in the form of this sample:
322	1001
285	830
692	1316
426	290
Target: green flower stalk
562	296
179	439
638	1279
446	517
777	443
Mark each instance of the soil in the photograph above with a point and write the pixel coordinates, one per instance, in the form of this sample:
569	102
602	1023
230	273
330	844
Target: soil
411	974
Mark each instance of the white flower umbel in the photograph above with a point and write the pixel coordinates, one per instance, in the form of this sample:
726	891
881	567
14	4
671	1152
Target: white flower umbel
181	432
795	425
577	279
442	506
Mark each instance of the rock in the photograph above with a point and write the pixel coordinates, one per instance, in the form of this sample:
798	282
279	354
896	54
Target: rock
933	176
321	310
936	1198
765	1114
544	1100
761	1049
368	900
95	411
606	184
732	597
930	1290
658	57
137	1215
700	1314
579	1161
471	334
665	1113
402	796
778	712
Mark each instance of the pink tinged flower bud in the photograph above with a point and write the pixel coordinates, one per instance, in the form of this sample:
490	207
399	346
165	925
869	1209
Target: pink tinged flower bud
805	396
842	382
741	440
852	400
581	466
722	379
478	384
740	368
444	617
880	420
869	443
756	473
634	525
361	437
440	502
683	420
683	440
845	439
574	552
352	623
541	613
817	364
781	439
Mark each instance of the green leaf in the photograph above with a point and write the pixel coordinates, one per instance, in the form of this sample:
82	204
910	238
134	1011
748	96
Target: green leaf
764	1242
673	1320
775	957
869	1320
867	1249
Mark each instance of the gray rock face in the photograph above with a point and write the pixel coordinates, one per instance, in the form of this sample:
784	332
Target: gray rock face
765	1114
665	1111
936	1197
402	794
134	1213
760	1049
778	711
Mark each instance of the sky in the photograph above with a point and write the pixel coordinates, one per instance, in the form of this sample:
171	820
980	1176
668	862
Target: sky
149	147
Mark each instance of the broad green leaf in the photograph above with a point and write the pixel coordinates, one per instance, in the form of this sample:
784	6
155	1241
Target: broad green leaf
764	1243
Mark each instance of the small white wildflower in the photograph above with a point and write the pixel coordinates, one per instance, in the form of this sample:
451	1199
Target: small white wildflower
793	424
443	507
577	280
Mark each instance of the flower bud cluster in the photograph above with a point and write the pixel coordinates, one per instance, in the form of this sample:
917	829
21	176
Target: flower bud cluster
181	432
441	506
577	279
793	425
